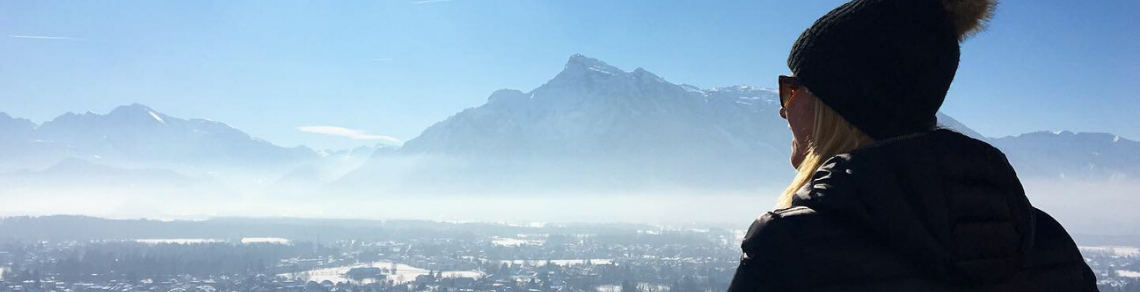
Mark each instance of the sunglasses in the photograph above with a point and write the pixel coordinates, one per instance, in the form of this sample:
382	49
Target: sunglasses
788	87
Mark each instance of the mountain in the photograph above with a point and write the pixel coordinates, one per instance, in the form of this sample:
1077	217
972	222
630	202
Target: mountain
1068	155
591	128
592	109
595	127
138	136
14	129
948	122
82	173
16	141
308	178
137	145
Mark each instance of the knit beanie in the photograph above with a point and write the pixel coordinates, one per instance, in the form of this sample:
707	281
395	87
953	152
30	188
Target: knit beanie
885	65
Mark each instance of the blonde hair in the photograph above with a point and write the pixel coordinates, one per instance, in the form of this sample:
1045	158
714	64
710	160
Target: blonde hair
831	135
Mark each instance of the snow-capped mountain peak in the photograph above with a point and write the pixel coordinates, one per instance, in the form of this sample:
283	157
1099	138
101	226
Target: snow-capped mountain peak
582	71
579	62
137	112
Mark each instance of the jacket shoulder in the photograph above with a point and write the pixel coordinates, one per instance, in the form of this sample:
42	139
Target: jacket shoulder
802	248
768	248
779	229
792	229
1055	262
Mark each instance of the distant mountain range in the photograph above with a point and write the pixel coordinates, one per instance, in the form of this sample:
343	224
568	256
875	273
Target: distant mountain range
1068	155
136	135
136	145
593	127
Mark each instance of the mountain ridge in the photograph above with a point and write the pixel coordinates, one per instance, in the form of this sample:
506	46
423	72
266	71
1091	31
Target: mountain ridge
591	127
608	128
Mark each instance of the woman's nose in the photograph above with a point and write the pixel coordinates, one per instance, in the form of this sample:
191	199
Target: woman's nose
784	113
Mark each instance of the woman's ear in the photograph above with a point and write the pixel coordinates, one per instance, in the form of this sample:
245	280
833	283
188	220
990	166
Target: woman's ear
784	113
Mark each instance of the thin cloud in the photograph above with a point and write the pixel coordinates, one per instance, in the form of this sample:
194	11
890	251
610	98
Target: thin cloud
430	1
348	133
382	60
42	37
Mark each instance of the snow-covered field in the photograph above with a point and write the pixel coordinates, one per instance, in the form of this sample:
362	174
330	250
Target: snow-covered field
404	273
277	240
178	240
244	240
1120	251
568	262
1128	274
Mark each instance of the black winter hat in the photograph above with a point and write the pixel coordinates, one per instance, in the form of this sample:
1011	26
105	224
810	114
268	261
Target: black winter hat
885	65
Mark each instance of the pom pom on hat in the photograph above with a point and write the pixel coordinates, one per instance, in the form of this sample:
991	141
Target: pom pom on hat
969	16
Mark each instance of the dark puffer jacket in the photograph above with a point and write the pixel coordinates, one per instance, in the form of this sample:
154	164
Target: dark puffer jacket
936	211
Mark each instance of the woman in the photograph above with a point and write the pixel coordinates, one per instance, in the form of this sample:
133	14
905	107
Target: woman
883	200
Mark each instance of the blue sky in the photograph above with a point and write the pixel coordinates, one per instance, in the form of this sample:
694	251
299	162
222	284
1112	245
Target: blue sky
391	68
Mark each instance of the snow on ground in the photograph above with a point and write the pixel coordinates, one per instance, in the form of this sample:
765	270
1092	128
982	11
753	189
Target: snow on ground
277	240
1128	274
178	240
504	241
404	273
156	117
1120	251
537	263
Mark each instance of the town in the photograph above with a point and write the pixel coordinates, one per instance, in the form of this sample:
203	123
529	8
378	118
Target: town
606	259
602	258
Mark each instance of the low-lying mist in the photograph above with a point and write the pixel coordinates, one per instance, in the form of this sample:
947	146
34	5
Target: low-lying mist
1084	207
